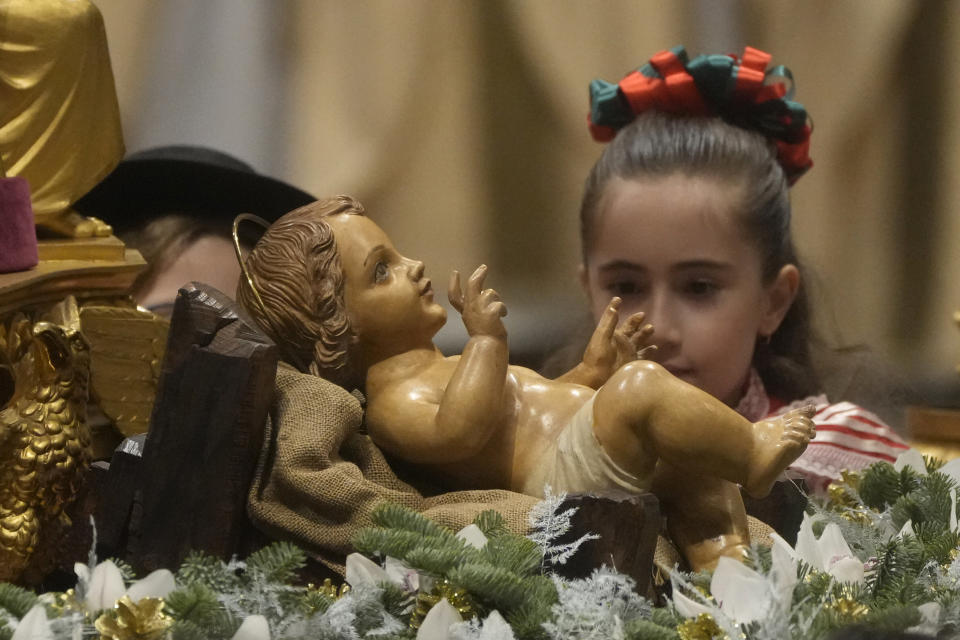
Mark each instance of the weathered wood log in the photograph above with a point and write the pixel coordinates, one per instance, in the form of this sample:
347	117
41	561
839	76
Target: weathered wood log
206	431
627	527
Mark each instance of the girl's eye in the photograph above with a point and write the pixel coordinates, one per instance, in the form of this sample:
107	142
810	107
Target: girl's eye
701	288
380	272
623	288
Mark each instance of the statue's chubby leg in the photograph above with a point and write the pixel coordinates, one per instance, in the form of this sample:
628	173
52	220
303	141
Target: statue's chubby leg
705	516
643	414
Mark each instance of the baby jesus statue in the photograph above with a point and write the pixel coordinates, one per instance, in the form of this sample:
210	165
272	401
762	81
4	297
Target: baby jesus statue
328	286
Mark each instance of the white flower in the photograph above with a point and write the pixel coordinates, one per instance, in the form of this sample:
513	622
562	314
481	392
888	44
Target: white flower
913	459
401	574
473	536
830	553
156	585
436	624
744	595
254	627
929	619
362	570
103	586
34	625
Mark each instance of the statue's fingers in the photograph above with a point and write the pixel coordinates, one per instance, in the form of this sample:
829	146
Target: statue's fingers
609	319
489	295
642	335
634	322
454	292
475	282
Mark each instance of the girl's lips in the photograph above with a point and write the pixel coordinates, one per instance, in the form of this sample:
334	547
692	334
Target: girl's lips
426	287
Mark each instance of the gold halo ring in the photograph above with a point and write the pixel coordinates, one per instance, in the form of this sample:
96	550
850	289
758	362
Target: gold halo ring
236	247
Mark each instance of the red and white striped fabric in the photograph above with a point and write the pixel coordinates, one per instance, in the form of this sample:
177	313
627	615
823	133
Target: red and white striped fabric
848	436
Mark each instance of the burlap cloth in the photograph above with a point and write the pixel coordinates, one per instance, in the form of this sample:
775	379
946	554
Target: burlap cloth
319	478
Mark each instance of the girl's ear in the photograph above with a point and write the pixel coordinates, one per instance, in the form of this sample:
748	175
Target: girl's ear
780	295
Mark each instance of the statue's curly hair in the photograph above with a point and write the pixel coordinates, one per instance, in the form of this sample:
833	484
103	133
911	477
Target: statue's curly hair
296	269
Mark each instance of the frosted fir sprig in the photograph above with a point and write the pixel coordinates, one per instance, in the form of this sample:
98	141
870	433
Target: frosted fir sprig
550	524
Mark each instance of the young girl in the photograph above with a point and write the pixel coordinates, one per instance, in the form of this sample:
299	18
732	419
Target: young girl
686	217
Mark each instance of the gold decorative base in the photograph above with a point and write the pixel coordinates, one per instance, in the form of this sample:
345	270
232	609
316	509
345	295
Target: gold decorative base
85	268
109	248
935	432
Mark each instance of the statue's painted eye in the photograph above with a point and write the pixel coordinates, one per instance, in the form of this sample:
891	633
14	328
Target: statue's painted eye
380	272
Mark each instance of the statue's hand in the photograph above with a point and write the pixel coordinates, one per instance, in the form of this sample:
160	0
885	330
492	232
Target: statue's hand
481	309
611	347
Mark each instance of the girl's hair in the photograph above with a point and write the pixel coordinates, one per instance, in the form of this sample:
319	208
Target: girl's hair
295	267
658	144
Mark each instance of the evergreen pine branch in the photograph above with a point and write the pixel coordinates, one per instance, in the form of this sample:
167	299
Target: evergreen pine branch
16	600
196	603
277	562
186	630
909	481
933	463
893	618
393	516
396	601
649	630
665	617
438	560
491	523
499	588
208	570
6	633
518	554
378	541
314	601
527	621
879	485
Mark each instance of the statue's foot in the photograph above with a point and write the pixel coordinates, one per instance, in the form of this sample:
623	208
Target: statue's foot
706	554
74	225
778	442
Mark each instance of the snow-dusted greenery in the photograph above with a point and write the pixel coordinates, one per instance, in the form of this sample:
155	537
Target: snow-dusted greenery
881	553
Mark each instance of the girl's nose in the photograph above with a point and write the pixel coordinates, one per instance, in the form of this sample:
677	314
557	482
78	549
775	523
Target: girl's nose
666	325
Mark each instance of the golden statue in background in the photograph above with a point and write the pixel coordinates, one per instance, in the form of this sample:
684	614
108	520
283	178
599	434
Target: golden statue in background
44	436
59	117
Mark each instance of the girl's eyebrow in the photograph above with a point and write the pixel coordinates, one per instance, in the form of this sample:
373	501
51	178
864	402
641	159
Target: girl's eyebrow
620	265
375	251
713	265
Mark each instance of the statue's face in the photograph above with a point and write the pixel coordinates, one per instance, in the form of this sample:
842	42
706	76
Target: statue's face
389	301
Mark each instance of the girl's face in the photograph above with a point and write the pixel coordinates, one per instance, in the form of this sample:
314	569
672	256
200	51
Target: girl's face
672	247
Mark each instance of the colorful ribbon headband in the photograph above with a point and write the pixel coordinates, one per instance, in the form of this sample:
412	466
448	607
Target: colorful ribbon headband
742	91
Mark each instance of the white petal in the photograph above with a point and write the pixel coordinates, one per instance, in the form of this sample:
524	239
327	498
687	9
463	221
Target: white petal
743	594
783	571
436	624
953	510
913	459
105	588
34	625
362	570
929	619
473	536
254	627
833	546
847	570
686	606
82	571
400	574
496	628
906	530
156	585
807	547
951	469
